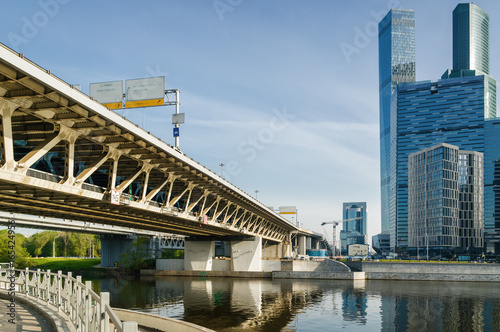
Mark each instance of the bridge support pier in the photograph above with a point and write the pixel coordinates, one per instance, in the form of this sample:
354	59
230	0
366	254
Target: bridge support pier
198	255
246	255
302	243
113	247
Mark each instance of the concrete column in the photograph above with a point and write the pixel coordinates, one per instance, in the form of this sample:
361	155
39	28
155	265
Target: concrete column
309	243
6	137
302	245
287	247
198	255
246	255
271	251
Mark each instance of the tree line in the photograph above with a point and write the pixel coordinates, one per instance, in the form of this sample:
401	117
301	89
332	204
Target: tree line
48	244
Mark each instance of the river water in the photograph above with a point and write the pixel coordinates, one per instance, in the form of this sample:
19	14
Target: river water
230	304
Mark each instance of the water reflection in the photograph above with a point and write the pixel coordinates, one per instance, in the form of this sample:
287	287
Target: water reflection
227	304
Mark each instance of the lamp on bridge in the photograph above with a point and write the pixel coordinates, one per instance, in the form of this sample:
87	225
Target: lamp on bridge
221	167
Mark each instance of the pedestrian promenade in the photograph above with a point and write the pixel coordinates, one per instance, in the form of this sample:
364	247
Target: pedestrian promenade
27	318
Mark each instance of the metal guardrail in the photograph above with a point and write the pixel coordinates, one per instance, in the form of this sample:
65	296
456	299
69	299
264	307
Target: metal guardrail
87	310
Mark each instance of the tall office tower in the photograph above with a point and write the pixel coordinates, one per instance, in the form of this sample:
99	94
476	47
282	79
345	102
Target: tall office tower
445	201
471	38
396	47
354	225
492	187
425	114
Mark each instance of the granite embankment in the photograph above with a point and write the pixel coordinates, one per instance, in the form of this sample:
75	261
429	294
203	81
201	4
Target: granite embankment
427	271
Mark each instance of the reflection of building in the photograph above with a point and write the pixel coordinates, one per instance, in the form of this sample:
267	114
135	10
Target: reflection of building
445	200
396	46
354	225
354	306
394	313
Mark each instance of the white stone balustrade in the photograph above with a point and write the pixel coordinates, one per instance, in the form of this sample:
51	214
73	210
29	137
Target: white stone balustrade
87	310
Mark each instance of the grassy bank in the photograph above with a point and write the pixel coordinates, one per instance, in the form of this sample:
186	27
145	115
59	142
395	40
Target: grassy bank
65	264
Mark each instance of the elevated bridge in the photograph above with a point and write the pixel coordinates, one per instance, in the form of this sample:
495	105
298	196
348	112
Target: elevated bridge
64	155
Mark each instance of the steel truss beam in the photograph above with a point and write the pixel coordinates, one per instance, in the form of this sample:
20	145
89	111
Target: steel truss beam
65	155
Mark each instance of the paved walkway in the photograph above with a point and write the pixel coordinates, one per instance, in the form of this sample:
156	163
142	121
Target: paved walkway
27	319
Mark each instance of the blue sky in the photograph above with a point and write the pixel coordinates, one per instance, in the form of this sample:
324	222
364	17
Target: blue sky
285	92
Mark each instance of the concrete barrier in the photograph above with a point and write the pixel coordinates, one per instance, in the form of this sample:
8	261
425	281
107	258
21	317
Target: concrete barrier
428	271
318	275
170	264
207	274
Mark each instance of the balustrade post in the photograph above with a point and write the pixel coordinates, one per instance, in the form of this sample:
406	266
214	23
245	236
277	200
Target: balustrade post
78	303
38	288
26	279
47	294
59	289
69	291
88	302
103	315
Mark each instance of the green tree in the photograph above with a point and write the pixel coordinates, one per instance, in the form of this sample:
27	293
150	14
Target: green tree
78	245
11	246
136	255
43	242
65	236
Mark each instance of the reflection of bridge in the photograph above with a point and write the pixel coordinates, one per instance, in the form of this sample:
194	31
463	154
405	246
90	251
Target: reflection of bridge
64	155
231	304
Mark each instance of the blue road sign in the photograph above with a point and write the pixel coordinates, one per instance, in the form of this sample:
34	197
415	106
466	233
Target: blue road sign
176	132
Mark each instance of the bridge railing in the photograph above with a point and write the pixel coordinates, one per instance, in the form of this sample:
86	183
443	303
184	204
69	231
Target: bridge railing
87	310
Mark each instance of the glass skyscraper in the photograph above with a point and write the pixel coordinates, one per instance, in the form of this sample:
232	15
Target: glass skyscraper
354	225
471	38
459	109
492	186
445	200
427	113
396	43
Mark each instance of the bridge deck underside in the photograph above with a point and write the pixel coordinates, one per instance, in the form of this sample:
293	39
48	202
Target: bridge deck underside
64	155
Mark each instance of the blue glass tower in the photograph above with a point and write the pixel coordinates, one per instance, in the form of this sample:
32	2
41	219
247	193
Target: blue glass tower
396	36
492	187
471	38
424	114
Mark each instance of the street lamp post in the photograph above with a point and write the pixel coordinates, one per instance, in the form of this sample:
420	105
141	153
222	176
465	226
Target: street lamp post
256	192
54	246
221	169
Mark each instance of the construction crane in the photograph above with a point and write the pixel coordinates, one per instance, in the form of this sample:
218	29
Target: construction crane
335	224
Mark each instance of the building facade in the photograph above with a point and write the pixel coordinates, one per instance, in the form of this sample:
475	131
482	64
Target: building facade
445	201
459	109
492	187
381	243
471	38
425	114
354	225
396	36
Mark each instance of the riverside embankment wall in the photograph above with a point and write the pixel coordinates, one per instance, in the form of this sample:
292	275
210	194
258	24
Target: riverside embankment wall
428	271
